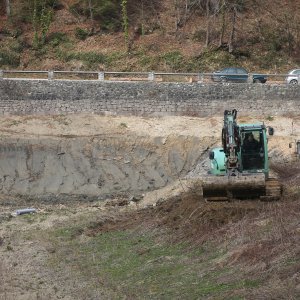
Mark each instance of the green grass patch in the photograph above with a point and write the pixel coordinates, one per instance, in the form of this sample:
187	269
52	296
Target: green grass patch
173	60
81	34
57	38
138	266
89	58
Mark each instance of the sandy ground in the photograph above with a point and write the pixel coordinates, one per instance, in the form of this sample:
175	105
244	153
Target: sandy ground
83	125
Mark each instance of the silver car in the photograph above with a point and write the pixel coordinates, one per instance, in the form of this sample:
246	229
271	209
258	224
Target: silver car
293	77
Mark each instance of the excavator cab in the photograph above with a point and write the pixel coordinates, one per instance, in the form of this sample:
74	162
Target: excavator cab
253	151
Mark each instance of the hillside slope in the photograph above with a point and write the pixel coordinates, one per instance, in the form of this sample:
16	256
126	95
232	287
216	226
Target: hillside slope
161	36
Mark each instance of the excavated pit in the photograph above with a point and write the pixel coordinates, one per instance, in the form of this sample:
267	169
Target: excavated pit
95	167
91	157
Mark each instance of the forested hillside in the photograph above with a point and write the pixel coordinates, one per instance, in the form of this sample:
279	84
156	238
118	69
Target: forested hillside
145	35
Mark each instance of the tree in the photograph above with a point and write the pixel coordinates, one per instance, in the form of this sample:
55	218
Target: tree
91	9
223	23
125	22
233	29
7	8
41	20
207	41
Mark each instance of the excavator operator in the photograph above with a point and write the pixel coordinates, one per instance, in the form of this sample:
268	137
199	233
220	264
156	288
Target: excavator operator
251	153
250	143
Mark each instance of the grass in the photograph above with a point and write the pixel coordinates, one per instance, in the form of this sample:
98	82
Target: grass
140	263
239	260
140	267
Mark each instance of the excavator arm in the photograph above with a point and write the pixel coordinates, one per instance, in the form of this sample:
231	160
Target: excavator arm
231	141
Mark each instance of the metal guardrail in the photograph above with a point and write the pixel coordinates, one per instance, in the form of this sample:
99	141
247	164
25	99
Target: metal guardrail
131	76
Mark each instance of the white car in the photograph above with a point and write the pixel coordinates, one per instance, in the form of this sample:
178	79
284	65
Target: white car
293	77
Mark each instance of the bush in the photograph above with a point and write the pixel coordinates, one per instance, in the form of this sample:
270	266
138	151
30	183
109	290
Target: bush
106	12
173	60
17	46
56	38
275	39
199	36
8	58
81	33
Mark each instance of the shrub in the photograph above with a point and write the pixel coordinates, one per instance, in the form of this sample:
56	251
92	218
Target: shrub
173	60
56	38
199	36
81	33
9	58
106	12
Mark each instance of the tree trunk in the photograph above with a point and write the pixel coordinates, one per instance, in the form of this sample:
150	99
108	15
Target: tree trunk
91	10
223	26
207	42
7	8
232	34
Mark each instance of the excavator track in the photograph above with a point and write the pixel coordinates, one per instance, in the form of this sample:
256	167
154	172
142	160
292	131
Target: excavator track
273	190
241	188
229	188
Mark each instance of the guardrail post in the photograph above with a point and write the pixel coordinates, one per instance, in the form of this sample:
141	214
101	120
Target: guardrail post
151	76
1	74
250	78
101	76
200	77
50	75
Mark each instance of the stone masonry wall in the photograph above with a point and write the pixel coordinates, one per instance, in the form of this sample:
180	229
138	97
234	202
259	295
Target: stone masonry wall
21	97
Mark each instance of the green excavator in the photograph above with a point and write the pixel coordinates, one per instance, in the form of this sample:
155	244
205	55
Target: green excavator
240	168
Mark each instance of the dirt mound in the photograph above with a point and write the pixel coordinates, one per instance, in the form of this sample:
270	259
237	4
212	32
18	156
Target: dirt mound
181	218
288	173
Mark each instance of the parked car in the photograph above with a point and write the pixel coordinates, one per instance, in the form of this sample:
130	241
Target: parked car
293	77
234	74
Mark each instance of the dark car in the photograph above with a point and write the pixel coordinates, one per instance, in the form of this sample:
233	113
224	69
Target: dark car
234	74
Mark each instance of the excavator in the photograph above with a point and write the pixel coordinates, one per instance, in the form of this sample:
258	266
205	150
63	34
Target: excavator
240	168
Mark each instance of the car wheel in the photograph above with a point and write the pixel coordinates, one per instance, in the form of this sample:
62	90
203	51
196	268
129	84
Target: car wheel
223	79
294	81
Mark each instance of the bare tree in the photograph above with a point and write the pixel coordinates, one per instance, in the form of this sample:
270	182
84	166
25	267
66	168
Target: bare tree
208	25
212	10
91	10
223	23
7	8
233	28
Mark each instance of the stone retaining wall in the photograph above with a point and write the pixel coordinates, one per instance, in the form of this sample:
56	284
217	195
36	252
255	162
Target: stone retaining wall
22	97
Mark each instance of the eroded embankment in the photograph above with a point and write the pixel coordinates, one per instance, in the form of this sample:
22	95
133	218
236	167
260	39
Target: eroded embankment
97	166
